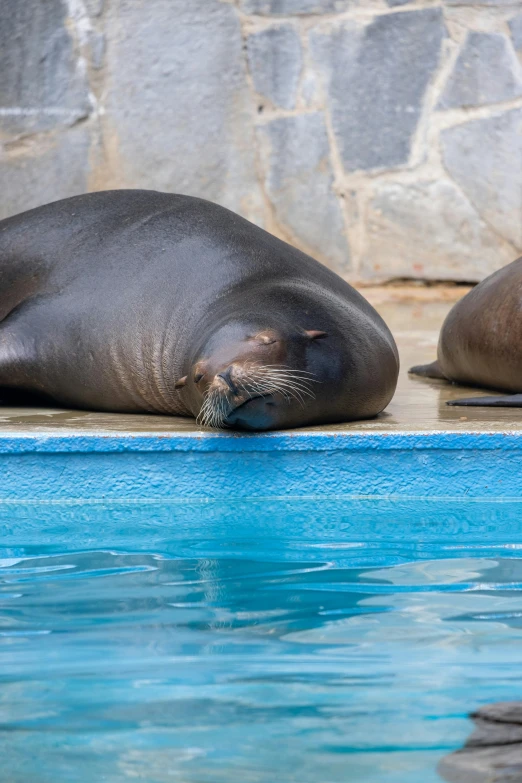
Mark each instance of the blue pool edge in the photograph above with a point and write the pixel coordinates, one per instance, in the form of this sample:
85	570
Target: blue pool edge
165	465
109	441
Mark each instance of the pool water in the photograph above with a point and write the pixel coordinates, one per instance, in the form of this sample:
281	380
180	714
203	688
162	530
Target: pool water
319	641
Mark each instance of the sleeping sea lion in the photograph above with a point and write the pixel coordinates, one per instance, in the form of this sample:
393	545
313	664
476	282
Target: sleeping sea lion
138	301
480	342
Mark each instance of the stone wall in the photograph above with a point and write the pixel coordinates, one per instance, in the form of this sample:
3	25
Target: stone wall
383	137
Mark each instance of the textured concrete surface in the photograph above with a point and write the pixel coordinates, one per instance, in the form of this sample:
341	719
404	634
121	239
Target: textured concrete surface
418	406
382	136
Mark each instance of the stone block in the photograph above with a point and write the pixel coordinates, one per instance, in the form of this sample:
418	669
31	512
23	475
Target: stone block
485	158
481	3
96	49
179	111
487	71
376	75
43	83
429	230
310	89
297	7
36	174
515	27
275	62
299	182
94	7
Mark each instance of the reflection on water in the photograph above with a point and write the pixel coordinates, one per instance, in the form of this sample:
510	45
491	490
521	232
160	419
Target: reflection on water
311	641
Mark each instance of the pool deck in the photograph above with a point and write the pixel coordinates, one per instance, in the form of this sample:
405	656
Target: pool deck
417	447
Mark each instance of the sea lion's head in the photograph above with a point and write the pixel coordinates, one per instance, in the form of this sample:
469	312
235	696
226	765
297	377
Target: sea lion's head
261	377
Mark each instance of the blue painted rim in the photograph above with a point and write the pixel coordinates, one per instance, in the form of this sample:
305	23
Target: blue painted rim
81	442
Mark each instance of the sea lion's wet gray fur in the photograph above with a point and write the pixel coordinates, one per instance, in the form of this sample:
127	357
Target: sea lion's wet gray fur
141	301
480	342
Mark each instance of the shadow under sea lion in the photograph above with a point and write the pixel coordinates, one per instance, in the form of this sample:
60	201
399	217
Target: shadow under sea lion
493	753
139	301
480	342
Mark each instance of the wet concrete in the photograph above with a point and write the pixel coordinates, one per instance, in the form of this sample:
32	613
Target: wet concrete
418	406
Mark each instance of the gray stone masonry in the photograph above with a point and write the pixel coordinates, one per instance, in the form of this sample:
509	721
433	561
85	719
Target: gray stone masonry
515	26
487	71
376	75
275	62
43	84
296	157
384	137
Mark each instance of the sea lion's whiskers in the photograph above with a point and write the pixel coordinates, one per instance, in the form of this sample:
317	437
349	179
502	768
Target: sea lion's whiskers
291	370
242	385
272	388
265	382
213	411
256	380
289	389
291	384
200	418
286	376
283	372
287	382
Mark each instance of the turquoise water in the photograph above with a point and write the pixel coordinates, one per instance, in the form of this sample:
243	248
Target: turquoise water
319	641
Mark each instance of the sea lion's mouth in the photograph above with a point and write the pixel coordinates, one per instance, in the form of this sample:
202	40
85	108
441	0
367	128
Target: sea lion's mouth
245	403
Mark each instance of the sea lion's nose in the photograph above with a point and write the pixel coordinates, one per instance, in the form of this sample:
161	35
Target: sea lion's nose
228	377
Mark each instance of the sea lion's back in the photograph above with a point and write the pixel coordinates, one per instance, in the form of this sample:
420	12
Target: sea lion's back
481	339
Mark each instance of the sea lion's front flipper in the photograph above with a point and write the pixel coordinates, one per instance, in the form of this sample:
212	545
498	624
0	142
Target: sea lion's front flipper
428	371
506	401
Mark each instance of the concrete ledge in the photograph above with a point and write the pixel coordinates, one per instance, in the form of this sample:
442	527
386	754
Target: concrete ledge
321	464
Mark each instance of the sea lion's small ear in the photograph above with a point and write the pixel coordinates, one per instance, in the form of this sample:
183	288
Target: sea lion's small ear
314	334
181	383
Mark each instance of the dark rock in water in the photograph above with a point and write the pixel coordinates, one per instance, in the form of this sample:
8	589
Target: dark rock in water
501	712
493	753
488	733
